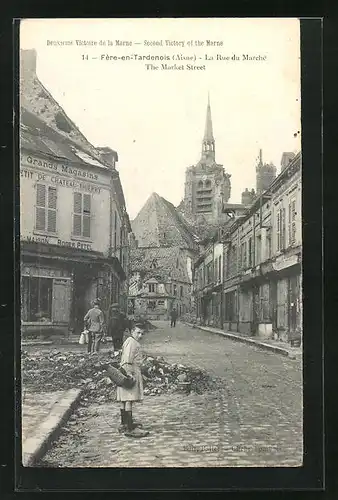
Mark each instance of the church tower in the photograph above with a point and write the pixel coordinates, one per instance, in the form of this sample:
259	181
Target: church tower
265	175
207	186
208	144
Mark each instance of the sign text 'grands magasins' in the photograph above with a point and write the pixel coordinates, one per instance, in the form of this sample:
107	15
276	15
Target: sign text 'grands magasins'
60	168
54	175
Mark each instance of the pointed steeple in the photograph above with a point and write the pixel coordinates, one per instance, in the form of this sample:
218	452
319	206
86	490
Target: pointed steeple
208	145
208	134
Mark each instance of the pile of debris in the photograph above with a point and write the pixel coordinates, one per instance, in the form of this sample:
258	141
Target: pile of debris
57	370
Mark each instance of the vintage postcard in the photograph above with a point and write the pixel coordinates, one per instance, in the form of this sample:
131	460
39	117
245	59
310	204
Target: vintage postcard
161	242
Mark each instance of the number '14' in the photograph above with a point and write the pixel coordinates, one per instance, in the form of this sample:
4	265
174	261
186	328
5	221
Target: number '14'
84	57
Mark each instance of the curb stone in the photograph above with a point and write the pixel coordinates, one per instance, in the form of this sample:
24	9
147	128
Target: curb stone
35	446
245	340
53	343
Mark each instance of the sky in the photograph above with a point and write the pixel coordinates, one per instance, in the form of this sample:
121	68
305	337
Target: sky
155	119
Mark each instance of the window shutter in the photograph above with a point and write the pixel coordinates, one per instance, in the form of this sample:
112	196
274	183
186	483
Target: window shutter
86	204
293	228
86	226
278	230
40	207
40	218
52	198
77	225
40	195
51	223
290	223
77	216
77	203
283	227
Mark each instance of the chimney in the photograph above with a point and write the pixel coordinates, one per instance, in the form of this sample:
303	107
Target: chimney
286	159
246	197
27	63
108	155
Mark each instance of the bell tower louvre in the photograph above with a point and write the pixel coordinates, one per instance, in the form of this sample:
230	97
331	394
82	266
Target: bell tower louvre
207	186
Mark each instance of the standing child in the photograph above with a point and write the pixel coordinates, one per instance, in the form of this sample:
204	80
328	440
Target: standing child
131	362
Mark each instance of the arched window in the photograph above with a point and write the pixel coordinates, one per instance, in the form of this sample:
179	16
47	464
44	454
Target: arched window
208	183
200	184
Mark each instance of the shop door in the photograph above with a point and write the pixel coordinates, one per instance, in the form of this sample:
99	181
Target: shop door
293	298
273	304
61	300
255	310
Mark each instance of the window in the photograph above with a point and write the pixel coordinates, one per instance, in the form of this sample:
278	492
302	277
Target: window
37	299
81	215
281	229
151	287
153	265
121	242
175	289
181	291
45	208
258	249
220	268
243	254
292	222
268	244
115	230
250	253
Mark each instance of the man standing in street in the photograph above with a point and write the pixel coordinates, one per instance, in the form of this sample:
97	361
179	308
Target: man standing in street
173	317
94	321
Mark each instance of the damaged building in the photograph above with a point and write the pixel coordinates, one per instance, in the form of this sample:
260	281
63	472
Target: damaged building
74	224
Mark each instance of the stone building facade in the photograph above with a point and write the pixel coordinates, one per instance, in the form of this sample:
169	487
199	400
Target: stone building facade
164	247
161	279
261	279
73	222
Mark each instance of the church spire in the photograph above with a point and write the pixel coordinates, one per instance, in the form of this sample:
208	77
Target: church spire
208	134
208	145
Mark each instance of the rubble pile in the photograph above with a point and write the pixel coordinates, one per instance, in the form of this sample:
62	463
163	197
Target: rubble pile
160	376
57	370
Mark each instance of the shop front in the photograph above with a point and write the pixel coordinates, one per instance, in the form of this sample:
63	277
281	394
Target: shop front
59	285
285	298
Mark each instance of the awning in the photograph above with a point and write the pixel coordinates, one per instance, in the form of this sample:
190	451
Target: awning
68	254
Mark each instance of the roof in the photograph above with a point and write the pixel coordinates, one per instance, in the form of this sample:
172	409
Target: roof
38	137
159	263
159	224
34	97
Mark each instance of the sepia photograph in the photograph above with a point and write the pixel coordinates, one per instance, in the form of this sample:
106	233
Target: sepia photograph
161	243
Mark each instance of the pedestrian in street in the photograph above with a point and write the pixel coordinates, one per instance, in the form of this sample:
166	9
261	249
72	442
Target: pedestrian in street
117	324
94	322
173	318
131	362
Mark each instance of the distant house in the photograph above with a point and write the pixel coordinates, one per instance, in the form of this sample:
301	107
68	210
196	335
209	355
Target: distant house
161	278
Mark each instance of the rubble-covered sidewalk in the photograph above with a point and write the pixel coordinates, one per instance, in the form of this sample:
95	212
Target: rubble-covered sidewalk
59	371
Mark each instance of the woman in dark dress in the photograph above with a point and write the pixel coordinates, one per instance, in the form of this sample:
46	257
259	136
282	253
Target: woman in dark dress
117	324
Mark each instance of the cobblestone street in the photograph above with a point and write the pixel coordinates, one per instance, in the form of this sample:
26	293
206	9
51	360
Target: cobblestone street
253	419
